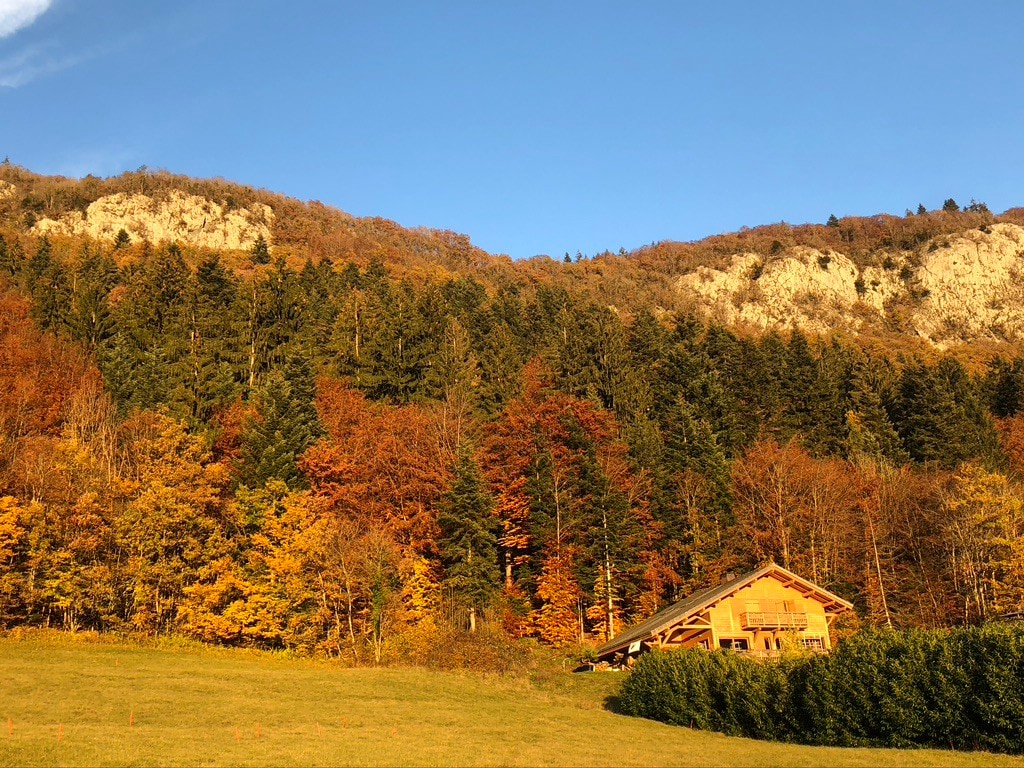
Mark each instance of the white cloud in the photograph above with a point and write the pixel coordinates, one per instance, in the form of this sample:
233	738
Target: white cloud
34	62
18	14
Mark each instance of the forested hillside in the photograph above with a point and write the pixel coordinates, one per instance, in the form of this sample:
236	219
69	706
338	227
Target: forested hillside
354	435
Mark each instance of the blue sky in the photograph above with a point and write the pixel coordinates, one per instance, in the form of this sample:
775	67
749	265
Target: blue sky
533	127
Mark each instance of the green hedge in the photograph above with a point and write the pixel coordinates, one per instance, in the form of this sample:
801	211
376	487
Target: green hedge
958	689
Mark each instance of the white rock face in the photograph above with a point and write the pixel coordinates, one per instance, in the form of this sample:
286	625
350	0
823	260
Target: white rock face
7	190
974	287
802	287
181	217
963	288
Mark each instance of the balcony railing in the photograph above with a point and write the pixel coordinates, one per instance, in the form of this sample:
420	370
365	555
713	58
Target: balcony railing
773	620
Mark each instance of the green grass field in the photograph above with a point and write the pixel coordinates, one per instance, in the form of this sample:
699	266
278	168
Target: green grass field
68	701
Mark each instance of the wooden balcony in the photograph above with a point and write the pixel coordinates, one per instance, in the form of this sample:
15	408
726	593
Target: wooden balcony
773	620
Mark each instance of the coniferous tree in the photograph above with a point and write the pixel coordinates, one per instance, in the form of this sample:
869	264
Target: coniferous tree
468	542
260	253
284	426
939	415
1003	386
210	372
49	287
871	432
400	342
89	316
320	287
141	362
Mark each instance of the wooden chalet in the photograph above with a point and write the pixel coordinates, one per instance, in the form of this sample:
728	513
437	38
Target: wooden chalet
752	613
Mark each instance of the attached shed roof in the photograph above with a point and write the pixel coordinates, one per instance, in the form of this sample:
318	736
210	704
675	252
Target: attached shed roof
699	601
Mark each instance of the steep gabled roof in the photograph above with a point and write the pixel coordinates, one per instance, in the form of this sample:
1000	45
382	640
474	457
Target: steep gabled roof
706	598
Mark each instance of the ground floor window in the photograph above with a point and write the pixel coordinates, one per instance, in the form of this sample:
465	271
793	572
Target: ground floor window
734	643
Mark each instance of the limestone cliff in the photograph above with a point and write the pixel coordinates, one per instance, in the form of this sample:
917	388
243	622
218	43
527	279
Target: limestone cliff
177	217
954	290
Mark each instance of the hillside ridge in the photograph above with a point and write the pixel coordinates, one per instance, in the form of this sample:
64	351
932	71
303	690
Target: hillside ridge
942	278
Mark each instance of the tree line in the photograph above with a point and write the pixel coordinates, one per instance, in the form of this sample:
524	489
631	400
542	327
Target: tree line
331	458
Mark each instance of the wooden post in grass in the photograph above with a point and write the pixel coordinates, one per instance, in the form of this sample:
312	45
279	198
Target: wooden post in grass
10	727
257	730
60	733
238	736
319	733
131	718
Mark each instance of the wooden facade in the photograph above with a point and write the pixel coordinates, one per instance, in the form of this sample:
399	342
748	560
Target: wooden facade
756	613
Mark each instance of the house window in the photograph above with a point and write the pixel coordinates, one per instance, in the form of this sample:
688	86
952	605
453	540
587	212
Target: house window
767	643
734	643
705	644
814	643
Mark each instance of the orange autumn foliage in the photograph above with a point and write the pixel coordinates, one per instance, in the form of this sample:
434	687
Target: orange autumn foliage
39	374
379	463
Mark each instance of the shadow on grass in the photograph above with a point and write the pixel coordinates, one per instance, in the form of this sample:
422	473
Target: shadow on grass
613	703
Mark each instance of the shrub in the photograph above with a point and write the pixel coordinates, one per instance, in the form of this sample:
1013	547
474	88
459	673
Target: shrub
720	691
959	689
488	650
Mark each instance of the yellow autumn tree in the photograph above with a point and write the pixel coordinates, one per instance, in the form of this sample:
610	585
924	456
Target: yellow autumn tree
12	537
421	591
558	620
983	525
173	524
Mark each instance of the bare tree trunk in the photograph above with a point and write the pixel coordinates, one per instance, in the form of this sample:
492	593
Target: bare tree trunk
878	571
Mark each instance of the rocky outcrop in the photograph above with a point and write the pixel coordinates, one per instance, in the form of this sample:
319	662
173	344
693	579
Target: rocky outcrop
7	190
800	287
956	289
972	286
179	217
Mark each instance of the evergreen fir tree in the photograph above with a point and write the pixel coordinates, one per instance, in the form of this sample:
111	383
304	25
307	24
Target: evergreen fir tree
939	415
1004	386
285	425
871	432
210	372
48	285
89	317
468	543
400	343
260	253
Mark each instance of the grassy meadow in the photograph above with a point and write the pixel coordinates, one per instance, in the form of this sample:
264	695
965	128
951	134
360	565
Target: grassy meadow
69	701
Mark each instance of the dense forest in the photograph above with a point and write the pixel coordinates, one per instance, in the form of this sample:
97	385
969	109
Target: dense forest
336	456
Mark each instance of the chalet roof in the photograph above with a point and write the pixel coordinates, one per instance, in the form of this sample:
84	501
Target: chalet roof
699	601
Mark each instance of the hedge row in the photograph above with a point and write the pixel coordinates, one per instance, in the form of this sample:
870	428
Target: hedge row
958	689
